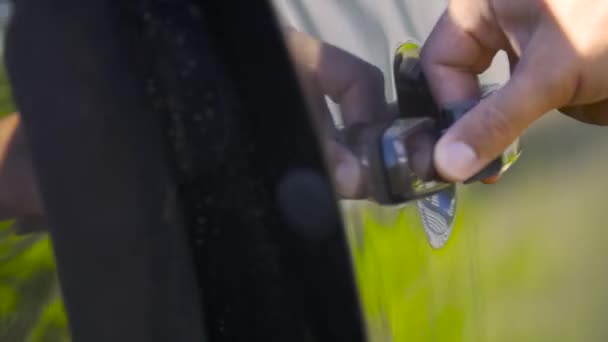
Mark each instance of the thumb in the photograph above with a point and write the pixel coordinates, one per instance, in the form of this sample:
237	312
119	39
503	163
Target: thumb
493	124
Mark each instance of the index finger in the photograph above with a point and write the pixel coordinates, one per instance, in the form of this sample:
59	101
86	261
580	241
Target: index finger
453	56
354	84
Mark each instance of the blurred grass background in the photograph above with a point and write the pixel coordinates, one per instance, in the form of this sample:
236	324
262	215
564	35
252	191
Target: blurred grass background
30	303
526	261
543	235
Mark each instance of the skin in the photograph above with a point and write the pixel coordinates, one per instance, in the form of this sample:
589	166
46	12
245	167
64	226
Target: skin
558	56
19	194
559	59
324	70
357	86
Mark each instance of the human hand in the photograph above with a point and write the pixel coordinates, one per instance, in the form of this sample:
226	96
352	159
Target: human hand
559	59
324	70
355	85
19	196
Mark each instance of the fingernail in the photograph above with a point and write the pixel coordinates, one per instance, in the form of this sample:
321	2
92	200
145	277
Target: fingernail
456	161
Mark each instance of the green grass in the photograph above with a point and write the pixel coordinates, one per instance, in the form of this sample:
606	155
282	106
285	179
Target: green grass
409	291
31	308
527	260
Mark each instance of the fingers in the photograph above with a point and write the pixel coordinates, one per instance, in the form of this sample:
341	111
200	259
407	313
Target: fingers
462	46
451	59
357	86
487	130
347	171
